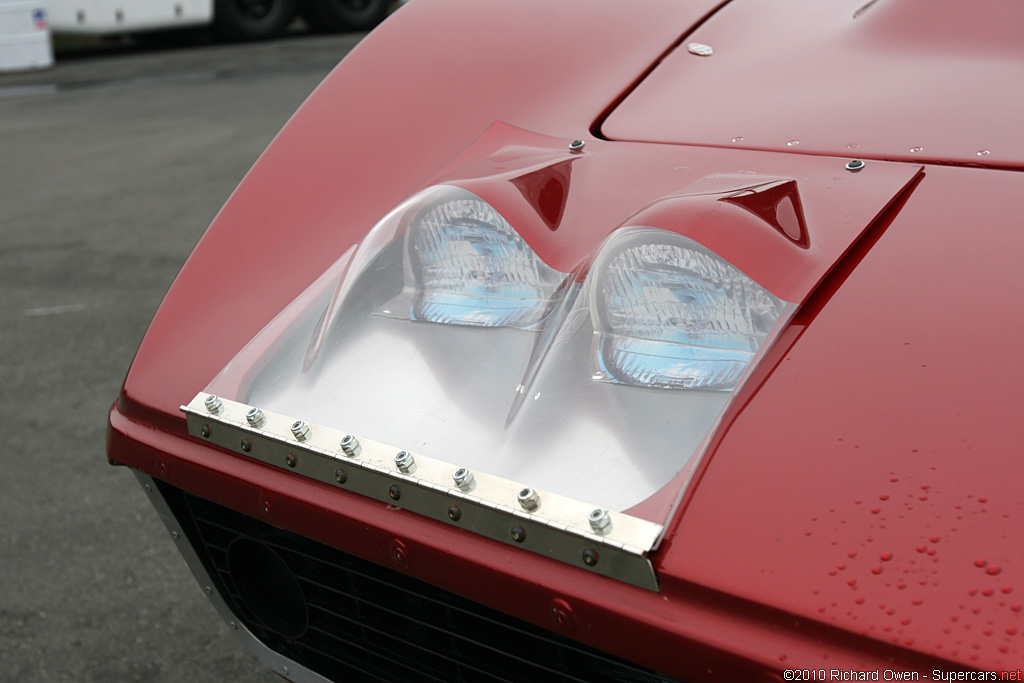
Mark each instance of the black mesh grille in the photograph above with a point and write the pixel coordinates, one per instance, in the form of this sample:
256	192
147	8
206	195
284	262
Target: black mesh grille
368	623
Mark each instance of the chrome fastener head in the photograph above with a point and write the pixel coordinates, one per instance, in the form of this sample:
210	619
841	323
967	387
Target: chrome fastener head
255	417
855	165
300	430
340	476
463	478
404	461
290	460
528	498
349	445
208	590
213	404
700	49
600	521
576	145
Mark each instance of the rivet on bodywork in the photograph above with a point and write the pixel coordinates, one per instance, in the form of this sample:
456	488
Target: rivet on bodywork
349	445
700	49
300	430
528	498
175	535
600	520
255	417
394	492
404	461
208	589
290	460
855	165
590	557
576	145
518	534
246	445
340	476
205	431
463	478
213	404
454	513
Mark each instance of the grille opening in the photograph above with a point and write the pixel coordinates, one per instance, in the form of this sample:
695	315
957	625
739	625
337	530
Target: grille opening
268	587
359	621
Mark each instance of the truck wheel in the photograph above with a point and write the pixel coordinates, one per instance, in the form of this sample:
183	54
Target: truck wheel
333	16
252	19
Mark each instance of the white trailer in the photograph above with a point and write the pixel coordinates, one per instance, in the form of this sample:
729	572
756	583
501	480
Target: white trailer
231	19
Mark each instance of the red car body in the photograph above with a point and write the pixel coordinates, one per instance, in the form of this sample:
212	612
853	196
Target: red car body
859	506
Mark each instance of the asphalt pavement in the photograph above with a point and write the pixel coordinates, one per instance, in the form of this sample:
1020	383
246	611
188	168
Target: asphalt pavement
111	166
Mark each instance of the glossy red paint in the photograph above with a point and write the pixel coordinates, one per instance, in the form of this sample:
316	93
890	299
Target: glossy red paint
898	373
909	80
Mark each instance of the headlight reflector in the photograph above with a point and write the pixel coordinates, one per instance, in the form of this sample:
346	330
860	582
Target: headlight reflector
669	313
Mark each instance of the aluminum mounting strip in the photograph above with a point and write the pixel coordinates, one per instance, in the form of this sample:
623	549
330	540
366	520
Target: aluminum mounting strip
605	542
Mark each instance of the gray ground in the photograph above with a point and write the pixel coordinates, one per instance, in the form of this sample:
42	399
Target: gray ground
111	166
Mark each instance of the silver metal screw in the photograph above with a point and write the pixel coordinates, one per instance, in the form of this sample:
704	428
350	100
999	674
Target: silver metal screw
404	461
255	417
855	165
700	49
147	487
463	478
350	445
213	404
576	145
208	589
600	521
175	535
233	625
528	498
300	430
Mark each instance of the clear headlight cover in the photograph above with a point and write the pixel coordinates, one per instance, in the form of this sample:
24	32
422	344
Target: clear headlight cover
443	333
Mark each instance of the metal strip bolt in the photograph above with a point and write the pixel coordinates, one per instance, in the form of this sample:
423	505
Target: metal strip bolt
213	404
350	445
290	460
255	417
576	145
855	165
700	49
600	521
404	461
463	478
300	430
518	534
590	557
529	499
340	476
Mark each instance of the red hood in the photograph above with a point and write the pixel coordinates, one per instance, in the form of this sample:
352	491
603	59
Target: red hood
909	80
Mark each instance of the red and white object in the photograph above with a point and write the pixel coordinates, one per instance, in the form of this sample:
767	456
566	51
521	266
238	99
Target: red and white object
24	36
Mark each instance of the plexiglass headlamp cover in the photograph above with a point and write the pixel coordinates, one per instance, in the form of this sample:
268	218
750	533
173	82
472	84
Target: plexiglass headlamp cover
444	333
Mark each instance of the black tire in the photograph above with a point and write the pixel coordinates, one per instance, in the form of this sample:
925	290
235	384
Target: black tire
335	16
252	19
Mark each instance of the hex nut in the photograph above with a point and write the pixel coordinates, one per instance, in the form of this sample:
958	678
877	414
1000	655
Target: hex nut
463	478
300	430
349	445
255	417
213	404
528	498
600	521
404	461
